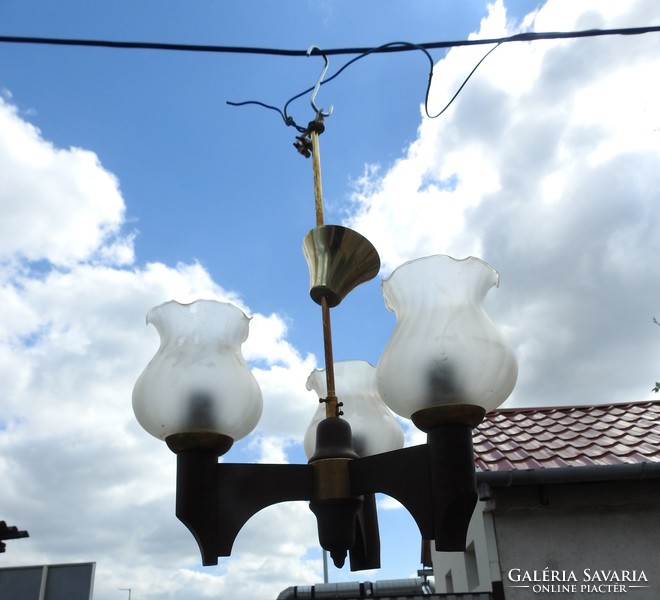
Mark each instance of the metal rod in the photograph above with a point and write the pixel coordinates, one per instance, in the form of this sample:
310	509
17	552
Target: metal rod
42	584
331	397
331	408
316	166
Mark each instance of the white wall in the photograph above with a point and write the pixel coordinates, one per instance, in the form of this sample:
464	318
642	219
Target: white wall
473	570
613	526
572	527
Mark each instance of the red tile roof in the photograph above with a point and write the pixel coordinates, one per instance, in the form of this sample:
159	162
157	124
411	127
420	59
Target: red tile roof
568	436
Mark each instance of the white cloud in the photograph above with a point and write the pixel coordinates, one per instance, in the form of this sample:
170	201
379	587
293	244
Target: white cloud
389	503
279	368
86	481
63	206
545	166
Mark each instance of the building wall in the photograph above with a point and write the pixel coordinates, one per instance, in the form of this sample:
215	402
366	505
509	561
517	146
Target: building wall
48	582
568	528
475	569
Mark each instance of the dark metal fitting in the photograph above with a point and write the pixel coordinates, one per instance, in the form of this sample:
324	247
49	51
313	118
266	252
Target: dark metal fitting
331	479
336	520
316	125
466	414
199	440
303	146
333	440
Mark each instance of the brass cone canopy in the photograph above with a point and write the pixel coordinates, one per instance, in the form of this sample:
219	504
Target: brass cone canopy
339	260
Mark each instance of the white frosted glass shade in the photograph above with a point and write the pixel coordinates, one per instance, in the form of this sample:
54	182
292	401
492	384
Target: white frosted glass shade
444	348
374	427
198	381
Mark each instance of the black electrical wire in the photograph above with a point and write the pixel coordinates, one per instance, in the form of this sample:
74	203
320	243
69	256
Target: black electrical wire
407	46
391	46
361	52
458	91
288	120
520	37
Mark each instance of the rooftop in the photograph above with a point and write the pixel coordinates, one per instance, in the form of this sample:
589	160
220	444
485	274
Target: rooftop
517	439
394	589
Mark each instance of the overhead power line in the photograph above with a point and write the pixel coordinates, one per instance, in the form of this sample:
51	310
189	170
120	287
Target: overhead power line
519	37
290	122
361	52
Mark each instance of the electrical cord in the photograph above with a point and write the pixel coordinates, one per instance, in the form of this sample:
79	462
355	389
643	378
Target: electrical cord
361	52
290	122
520	37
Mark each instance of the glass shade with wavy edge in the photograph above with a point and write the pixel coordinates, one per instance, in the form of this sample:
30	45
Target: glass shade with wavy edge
374	427
198	381
444	349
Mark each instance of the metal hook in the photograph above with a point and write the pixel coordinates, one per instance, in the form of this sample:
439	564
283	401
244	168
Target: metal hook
319	111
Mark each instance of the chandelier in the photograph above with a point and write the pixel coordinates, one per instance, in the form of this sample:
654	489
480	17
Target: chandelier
444	366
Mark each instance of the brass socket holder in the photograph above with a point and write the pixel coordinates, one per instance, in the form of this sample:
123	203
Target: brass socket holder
199	440
331	479
428	419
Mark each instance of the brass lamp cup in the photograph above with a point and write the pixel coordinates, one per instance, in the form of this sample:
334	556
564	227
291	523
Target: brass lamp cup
466	414
207	441
339	260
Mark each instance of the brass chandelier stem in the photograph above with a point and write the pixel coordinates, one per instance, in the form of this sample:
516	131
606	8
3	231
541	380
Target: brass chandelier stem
316	168
331	406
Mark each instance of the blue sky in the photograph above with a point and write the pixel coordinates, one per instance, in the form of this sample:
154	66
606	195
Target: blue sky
127	181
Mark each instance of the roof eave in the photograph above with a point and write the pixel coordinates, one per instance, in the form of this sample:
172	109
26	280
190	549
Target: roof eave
620	472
